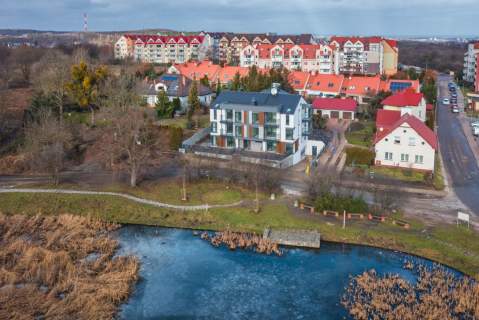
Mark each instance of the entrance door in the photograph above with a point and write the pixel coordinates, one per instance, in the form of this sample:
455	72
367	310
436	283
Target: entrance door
315	151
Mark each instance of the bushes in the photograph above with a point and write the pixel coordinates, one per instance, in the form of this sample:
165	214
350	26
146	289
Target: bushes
359	156
330	201
176	137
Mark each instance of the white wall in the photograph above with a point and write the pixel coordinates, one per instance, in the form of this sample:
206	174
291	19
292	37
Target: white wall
417	111
421	147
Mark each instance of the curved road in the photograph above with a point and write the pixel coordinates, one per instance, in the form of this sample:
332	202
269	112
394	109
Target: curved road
458	158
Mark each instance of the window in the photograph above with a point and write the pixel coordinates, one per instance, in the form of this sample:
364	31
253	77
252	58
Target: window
229	114
388	156
238	116
213	140
271	146
289	148
412	141
229	128
270	117
255	132
213	127
419	159
255	117
289	134
287	119
238	131
270	132
397	140
214	114
404	157
230	142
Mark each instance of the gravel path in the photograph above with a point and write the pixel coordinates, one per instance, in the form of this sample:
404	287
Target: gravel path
123	195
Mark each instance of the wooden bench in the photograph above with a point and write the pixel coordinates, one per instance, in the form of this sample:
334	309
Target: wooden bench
303	206
355	216
376	218
330	213
401	223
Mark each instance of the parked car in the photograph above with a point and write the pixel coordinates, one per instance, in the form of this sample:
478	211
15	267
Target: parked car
475	131
445	101
455	110
475	124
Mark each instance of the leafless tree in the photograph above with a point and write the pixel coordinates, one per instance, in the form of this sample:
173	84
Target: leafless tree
51	76
24	57
319	184
46	144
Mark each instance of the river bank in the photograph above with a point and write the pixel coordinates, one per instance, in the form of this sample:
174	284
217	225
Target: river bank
447	244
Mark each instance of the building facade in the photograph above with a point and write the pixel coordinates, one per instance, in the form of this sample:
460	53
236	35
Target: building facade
269	122
407	102
366	55
405	143
471	65
161	49
299	57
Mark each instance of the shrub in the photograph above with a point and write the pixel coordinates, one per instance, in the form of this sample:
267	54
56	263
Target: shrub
359	156
330	201
176	137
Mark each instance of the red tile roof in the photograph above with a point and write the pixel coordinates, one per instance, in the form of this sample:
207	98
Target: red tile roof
417	125
199	69
335	104
144	39
361	86
403	99
386	118
386	84
325	83
429	107
298	79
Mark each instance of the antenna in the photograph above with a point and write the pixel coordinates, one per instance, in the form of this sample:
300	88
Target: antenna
85	22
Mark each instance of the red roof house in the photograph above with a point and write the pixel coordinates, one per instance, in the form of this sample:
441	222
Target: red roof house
386	118
404	99
335	107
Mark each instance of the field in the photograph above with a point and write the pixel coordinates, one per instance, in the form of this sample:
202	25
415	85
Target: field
61	267
361	133
456	247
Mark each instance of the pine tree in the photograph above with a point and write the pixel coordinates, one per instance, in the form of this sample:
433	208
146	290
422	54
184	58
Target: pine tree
236	84
193	103
218	87
164	107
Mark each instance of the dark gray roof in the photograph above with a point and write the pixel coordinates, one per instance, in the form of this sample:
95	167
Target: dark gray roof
257	101
177	84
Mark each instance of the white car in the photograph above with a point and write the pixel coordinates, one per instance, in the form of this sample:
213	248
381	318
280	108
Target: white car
445	101
475	124
455	110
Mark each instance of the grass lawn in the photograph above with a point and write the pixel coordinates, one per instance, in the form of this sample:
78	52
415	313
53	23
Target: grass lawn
447	244
400	174
204	121
361	133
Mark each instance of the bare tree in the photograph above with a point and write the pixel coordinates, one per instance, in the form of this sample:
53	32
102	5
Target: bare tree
51	76
24	57
46	144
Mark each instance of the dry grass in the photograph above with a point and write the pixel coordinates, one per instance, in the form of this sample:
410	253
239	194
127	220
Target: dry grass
437	295
61	267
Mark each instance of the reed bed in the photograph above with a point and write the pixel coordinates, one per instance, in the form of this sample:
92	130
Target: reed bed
61	267
437	294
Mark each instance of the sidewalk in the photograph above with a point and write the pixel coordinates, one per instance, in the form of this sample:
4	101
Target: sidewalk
466	127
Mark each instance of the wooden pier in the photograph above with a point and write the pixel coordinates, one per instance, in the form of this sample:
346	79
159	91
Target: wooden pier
295	238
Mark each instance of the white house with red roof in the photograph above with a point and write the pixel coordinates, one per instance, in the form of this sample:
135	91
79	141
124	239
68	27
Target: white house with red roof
404	142
335	108
407	102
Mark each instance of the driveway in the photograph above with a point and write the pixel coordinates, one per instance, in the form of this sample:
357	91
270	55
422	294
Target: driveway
459	160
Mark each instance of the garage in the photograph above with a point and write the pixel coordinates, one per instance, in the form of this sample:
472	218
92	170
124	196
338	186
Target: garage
347	115
334	114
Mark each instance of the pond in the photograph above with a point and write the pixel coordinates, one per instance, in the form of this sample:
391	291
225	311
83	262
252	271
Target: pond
185	277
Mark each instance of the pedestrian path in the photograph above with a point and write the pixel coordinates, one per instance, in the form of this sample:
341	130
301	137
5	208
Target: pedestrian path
126	196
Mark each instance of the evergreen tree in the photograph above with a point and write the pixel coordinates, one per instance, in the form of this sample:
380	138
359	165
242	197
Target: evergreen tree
205	81
236	84
164	107
218	87
193	103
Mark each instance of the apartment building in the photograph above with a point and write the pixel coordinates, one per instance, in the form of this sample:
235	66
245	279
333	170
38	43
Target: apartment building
269	122
366	55
471	65
230	45
161	49
302	57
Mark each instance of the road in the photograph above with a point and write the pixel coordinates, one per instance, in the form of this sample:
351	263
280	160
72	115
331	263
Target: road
458	158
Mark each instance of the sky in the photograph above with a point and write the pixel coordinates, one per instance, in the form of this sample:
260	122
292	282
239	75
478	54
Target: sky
322	17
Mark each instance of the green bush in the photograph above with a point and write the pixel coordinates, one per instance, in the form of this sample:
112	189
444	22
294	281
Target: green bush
359	156
176	137
350	204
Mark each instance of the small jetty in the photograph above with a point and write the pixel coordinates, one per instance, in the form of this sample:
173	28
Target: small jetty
295	238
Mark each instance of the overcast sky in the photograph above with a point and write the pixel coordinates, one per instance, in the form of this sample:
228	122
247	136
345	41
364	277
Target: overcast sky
324	17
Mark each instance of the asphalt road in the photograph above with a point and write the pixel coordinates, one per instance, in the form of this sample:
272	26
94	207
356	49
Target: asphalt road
457	155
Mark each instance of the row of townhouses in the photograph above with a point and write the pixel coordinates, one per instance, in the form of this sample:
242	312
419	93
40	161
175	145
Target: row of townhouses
341	55
161	49
471	74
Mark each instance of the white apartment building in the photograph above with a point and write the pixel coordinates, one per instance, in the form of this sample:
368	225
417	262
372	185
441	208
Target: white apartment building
471	58
161	49
264	122
302	57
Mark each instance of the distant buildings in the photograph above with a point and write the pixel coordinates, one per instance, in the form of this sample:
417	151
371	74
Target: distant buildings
471	65
161	49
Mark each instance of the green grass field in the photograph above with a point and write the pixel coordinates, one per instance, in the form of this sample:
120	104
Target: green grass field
448	244
362	137
400	174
